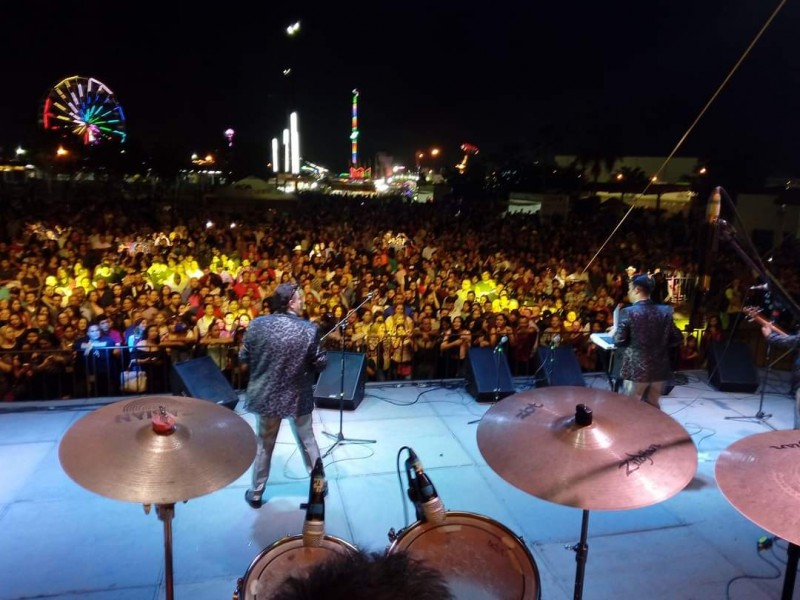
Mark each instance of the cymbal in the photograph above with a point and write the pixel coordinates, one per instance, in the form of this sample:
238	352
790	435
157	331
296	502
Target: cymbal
628	455
760	476
115	451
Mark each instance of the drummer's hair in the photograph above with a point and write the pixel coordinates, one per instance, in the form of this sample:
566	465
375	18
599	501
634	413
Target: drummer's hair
363	576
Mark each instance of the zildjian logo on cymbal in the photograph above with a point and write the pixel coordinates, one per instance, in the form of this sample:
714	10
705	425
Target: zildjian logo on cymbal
527	410
635	461
786	446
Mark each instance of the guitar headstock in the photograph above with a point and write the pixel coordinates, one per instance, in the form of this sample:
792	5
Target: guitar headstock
751	311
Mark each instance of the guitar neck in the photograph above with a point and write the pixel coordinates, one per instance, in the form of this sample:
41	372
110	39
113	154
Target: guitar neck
763	322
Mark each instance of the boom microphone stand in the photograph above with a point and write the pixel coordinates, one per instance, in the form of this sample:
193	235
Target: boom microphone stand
760	415
339	437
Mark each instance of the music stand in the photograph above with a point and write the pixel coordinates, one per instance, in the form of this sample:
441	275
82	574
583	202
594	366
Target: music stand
339	438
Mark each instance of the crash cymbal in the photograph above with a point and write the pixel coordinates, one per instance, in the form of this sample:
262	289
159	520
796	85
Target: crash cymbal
760	476
116	452
627	454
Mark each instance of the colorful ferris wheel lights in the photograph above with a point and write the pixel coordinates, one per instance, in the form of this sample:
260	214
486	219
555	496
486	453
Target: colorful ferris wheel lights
85	107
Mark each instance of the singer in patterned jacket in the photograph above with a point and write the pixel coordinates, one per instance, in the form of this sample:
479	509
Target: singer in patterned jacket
283	355
645	333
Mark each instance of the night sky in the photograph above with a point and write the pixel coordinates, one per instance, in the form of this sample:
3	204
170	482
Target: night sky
634	74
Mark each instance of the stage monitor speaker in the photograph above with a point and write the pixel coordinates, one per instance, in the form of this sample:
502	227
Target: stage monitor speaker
731	368
488	375
329	384
559	366
201	378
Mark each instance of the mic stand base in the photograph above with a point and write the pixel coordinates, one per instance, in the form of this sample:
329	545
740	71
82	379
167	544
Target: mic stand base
760	416
340	439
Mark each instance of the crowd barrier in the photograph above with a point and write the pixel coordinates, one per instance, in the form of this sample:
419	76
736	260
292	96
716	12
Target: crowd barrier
117	371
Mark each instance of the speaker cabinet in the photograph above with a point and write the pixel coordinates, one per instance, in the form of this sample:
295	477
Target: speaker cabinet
329	384
559	366
488	375
201	378
731	368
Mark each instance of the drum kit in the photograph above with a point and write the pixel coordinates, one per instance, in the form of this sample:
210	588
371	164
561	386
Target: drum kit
579	447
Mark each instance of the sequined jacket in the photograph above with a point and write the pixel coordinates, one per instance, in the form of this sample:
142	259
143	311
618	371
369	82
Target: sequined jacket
645	333
283	354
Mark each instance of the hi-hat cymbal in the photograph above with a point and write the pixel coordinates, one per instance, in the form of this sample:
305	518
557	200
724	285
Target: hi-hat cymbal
760	476
629	455
115	451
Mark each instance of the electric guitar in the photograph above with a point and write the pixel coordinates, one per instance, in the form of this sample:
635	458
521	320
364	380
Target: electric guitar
754	314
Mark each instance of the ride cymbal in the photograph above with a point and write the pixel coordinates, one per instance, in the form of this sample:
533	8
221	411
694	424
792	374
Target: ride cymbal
116	451
619	454
760	476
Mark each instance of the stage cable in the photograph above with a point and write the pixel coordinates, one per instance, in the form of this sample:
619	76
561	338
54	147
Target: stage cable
683	138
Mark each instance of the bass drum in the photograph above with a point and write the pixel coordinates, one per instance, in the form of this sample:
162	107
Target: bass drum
478	557
286	558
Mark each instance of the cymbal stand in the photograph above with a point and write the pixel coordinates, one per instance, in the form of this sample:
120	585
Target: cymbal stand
339	437
760	415
166	512
792	556
581	554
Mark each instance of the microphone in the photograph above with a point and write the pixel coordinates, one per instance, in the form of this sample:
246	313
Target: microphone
713	206
555	341
499	346
711	237
422	492
763	286
314	525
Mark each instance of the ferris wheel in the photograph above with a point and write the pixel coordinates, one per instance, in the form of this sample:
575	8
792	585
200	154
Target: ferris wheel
85	107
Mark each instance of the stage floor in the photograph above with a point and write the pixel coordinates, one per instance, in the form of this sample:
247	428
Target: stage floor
61	541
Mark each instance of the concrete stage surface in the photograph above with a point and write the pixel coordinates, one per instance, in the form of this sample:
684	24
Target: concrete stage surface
62	541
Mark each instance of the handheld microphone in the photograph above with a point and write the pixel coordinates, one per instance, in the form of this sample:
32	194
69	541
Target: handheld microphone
555	341
314	525
422	492
499	346
763	286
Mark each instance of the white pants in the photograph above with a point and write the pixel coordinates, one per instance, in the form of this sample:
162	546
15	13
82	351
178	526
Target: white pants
649	391
267	431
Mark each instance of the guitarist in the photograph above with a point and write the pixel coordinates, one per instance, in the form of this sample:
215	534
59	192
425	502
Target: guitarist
776	336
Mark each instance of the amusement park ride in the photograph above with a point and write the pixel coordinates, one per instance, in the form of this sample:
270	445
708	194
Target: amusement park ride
84	107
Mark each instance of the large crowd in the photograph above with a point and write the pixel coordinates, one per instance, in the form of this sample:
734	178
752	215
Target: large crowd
92	295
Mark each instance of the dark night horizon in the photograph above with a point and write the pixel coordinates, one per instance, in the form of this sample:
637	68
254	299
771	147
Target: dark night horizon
557	77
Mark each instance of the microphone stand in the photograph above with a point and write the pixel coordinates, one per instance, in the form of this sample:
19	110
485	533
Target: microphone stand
339	437
497	374
730	235
760	415
498	349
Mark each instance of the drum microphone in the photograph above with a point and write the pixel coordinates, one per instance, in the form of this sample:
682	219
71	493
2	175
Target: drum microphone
499	346
422	492
314	525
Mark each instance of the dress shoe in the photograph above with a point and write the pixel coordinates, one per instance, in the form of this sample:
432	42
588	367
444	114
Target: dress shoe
253	498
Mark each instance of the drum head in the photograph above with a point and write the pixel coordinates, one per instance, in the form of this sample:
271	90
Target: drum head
478	557
286	558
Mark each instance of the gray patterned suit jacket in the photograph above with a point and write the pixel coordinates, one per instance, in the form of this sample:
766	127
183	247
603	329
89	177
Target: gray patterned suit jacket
645	333
283	354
